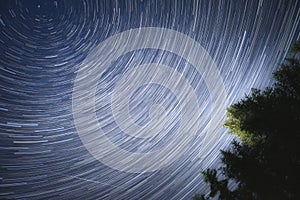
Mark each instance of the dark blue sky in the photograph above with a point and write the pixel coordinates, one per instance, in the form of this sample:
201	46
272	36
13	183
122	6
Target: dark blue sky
43	46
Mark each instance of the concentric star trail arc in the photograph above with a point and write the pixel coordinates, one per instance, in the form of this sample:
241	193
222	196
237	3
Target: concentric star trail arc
126	99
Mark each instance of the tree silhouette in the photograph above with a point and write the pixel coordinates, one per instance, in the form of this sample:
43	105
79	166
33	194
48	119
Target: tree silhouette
265	162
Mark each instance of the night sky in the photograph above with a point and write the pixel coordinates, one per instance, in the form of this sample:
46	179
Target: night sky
126	99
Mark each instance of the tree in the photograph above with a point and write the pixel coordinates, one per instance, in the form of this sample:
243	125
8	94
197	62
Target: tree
265	162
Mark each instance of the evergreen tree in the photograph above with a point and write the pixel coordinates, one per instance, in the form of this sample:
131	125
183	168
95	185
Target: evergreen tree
265	162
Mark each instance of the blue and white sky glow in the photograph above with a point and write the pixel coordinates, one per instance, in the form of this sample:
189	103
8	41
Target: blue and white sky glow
126	99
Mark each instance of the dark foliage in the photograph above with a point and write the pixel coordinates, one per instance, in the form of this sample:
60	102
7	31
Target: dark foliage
265	164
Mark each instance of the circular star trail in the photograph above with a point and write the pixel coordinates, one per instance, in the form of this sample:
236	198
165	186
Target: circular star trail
126	99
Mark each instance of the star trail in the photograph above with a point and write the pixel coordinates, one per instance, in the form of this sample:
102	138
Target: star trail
126	99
